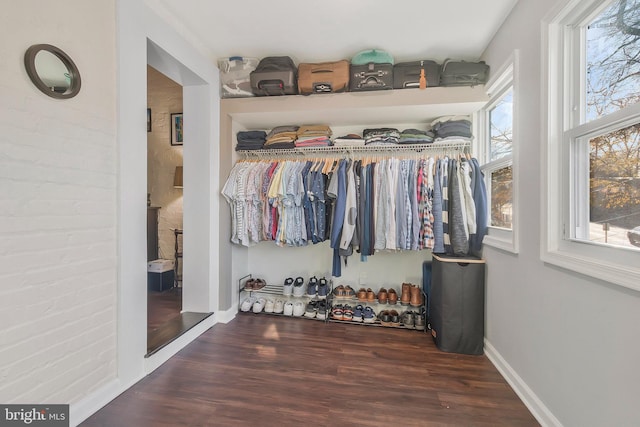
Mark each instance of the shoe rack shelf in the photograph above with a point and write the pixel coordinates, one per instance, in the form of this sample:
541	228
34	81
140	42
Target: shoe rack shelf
277	291
378	308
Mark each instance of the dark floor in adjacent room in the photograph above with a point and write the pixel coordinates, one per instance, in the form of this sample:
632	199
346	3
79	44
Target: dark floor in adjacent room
266	370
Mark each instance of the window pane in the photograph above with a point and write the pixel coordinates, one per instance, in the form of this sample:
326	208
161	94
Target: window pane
613	59
614	169
501	127
502	197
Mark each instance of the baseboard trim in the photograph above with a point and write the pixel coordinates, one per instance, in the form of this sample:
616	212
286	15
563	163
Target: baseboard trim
537	408
80	411
227	315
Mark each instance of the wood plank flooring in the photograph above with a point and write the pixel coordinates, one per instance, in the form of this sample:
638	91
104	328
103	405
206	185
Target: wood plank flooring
265	370
162	306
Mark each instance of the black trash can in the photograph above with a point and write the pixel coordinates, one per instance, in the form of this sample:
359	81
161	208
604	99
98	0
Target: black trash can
456	304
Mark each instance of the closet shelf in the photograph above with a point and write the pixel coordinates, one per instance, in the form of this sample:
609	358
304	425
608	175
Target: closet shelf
436	147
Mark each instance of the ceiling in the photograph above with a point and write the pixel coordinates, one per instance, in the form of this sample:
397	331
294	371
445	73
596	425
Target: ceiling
337	29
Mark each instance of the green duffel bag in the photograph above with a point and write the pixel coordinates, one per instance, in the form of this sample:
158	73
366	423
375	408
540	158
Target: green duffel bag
372	55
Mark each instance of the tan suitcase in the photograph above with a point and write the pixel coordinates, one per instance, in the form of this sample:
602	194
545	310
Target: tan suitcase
324	77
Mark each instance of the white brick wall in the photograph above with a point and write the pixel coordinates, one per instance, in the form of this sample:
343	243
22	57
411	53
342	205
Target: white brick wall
58	192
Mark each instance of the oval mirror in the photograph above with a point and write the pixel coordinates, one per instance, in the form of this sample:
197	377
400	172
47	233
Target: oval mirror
52	71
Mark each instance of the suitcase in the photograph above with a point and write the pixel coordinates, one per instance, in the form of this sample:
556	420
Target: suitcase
323	77
234	76
275	75
407	74
462	73
371	76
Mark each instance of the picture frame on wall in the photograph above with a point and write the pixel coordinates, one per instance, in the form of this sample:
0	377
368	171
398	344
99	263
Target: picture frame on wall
176	129
148	119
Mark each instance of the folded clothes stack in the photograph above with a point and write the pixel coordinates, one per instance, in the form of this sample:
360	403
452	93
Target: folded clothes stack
452	127
313	136
350	140
251	140
282	137
416	136
381	136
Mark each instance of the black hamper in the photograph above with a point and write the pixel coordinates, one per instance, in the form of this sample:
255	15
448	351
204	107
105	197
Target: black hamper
456	306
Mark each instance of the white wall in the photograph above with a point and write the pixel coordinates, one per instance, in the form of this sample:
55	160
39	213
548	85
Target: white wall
164	97
58	207
569	342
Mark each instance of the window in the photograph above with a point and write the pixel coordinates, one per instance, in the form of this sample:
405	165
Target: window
593	150
497	132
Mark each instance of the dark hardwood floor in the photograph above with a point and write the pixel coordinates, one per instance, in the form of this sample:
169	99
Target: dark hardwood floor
265	370
162	306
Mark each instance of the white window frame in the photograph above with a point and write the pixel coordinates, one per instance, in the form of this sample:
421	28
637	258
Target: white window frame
504	79
565	152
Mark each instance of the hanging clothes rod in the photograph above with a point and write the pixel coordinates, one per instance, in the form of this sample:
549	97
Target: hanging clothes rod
436	147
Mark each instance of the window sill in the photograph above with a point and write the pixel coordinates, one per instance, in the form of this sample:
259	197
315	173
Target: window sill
504	244
616	274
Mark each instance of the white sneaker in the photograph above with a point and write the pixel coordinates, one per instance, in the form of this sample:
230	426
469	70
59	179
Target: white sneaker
258	306
278	306
287	289
269	306
288	308
298	308
299	289
247	304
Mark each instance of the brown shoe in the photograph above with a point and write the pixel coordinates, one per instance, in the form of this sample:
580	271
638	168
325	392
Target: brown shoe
385	317
405	298
416	296
392	296
371	296
362	295
349	292
395	318
382	296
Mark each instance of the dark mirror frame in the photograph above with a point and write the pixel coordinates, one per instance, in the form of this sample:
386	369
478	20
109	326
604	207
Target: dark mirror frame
30	65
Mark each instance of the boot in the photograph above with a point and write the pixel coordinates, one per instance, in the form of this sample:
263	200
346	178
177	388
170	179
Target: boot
405	297
416	296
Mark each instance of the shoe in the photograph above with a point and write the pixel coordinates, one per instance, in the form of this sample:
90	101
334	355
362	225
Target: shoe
311	309
395	318
269	306
259	284
312	287
338	292
258	306
382	296
323	288
371	296
385	317
419	321
278	307
288	308
336	312
347	313
405	297
416	297
248	285
392	296
368	315
287	289
322	310
349	292
247	303
408	319
298	287
362	295
358	313
298	308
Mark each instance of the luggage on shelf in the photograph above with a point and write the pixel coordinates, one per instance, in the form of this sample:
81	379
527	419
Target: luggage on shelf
371	70
323	77
407	74
275	75
234	76
462	73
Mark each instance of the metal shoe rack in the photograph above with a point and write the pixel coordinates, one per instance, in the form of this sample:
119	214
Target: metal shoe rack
277	291
379	307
